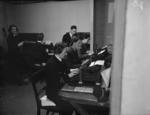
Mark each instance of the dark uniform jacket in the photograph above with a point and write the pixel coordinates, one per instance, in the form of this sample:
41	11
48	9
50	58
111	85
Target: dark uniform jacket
12	43
73	59
66	39
54	71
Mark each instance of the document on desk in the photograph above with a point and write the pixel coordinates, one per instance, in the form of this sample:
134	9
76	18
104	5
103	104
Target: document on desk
83	89
68	88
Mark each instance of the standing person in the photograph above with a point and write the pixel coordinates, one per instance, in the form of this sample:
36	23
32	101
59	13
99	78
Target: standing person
14	42
55	70
68	36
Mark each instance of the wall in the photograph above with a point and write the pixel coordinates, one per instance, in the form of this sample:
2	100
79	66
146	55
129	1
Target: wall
99	23
109	29
103	22
51	18
136	79
2	24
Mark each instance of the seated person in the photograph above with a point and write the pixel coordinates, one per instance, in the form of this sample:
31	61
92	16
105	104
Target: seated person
55	70
74	58
67	37
85	50
85	45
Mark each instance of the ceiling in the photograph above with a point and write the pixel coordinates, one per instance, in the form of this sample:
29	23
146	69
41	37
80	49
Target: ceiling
27	2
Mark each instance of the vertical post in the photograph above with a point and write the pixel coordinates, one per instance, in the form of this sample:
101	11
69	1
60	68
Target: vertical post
118	55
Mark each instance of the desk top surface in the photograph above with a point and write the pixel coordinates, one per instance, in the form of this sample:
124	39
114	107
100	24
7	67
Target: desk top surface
68	93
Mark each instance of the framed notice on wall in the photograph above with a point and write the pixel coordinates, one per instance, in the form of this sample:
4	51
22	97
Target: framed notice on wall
110	12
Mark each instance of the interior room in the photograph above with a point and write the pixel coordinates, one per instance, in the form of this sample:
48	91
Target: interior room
123	24
50	19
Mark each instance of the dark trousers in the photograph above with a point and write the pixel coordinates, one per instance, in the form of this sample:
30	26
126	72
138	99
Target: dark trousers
64	107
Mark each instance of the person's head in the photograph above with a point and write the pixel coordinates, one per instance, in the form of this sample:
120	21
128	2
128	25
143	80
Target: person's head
76	42
60	49
73	29
13	29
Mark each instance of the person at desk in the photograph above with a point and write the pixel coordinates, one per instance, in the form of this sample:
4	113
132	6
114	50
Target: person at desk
68	36
74	57
55	70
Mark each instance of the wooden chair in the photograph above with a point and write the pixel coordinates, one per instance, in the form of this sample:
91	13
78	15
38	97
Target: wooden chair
39	91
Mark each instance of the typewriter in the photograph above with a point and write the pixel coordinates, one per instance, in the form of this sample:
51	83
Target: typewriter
90	72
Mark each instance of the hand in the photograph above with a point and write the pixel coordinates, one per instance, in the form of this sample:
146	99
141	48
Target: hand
73	72
43	64
20	44
76	70
71	75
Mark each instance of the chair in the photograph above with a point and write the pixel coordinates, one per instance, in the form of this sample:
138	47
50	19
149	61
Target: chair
39	91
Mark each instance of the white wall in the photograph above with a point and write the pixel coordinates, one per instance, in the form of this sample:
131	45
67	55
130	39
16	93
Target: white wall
52	18
136	76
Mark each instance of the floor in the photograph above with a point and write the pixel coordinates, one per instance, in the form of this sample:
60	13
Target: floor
17	100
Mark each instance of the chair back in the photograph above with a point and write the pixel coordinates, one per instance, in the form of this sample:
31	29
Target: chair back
38	85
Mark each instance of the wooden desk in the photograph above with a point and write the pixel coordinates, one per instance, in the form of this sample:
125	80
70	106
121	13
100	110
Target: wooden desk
79	99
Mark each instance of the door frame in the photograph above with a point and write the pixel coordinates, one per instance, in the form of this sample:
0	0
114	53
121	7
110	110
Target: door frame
120	8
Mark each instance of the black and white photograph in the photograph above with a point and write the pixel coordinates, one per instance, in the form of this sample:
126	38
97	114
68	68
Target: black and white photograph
74	57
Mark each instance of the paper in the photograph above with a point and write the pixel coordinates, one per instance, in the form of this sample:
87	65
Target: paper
83	89
98	62
106	76
101	52
46	102
68	88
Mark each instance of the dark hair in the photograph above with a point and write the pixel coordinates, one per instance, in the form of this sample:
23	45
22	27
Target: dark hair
58	48
10	27
73	27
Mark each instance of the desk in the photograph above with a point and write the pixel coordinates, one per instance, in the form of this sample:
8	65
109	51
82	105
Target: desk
79	99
